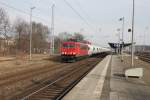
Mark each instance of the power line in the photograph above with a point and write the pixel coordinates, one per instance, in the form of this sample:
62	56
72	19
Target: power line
37	7
81	8
19	10
85	13
14	8
84	20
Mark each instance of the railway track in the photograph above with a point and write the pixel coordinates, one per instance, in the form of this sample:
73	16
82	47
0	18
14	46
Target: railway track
145	56
56	87
10	84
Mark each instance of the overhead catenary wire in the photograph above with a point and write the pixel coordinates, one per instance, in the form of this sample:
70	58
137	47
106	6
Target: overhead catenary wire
82	9
37	7
85	13
27	13
21	11
81	17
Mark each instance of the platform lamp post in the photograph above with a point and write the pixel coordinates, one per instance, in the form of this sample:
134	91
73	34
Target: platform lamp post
133	72
132	39
31	32
132	56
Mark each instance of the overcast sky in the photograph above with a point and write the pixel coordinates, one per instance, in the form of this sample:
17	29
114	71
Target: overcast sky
101	16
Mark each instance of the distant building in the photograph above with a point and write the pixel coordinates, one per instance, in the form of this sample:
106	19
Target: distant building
142	48
118	47
6	45
139	48
2	44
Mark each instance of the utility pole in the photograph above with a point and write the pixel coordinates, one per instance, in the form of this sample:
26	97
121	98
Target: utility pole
132	48
31	32
118	40
52	31
122	19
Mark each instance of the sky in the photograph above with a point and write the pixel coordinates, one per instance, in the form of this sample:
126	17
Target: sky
99	22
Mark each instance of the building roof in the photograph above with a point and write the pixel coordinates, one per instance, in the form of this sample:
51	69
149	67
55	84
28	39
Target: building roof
117	45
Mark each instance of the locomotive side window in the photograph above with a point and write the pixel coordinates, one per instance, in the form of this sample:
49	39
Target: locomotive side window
71	46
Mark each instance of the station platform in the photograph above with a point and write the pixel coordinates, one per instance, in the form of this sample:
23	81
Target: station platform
90	87
107	82
122	88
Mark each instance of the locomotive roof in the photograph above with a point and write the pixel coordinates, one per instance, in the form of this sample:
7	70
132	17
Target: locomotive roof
77	42
72	42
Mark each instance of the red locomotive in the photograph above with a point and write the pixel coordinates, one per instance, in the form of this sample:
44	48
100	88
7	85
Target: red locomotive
71	50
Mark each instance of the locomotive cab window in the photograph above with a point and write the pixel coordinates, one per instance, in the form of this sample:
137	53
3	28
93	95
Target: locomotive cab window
68	45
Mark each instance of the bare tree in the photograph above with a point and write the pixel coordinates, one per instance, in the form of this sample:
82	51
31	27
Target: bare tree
40	36
4	22
40	42
22	30
4	28
64	36
78	37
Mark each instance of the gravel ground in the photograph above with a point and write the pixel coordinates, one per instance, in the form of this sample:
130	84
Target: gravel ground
16	65
16	68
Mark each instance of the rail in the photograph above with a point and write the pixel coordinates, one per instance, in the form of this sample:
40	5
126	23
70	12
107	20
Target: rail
145	56
56	89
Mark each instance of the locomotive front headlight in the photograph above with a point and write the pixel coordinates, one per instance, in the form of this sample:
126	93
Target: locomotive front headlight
73	53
